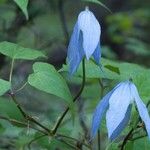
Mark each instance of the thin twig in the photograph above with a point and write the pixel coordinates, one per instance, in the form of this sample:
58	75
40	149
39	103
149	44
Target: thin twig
136	138
26	116
17	90
11	71
14	122
71	138
129	135
35	139
60	119
126	139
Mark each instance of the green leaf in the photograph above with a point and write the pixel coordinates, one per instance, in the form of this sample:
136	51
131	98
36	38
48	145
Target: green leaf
139	74
9	109
139	144
4	86
94	71
112	68
98	2
23	6
129	145
47	79
2	129
15	51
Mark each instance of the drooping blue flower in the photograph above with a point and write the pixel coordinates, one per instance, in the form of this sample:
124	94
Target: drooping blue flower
117	105
85	40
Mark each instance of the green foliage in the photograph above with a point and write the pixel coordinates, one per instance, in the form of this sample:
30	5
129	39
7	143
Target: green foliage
119	71
127	30
47	79
23	6
15	51
131	30
9	109
141	143
4	86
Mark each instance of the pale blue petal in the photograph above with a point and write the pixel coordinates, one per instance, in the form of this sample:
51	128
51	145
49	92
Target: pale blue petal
90	28
98	114
141	108
97	53
122	125
75	50
118	105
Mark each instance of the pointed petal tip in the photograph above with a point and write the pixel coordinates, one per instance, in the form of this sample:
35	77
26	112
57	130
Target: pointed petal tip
91	30
143	111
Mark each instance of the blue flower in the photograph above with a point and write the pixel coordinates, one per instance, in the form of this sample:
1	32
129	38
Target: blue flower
85	40
118	104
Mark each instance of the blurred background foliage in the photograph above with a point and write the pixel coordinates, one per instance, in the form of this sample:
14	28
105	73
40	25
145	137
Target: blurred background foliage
125	37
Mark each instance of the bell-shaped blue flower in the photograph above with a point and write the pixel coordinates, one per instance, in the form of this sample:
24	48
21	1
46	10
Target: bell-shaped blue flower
85	40
117	104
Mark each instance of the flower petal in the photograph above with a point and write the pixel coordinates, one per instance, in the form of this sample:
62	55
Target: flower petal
90	28
75	50
98	113
97	53
122	125
141	108
118	105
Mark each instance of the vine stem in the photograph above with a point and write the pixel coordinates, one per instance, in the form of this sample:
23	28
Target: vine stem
35	139
126	139
26	116
11	71
99	140
22	87
44	134
131	131
13	121
60	119
98	134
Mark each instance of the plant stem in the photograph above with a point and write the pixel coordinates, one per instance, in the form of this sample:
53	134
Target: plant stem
73	139
22	124
13	121
98	134
74	100
11	72
99	140
26	116
131	131
35	139
19	89
126	139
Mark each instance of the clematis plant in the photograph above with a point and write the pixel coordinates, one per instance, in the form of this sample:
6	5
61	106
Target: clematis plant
85	40
118	104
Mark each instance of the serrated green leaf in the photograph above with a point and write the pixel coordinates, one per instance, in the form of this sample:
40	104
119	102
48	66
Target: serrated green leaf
23	6
18	52
4	86
98	2
47	79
